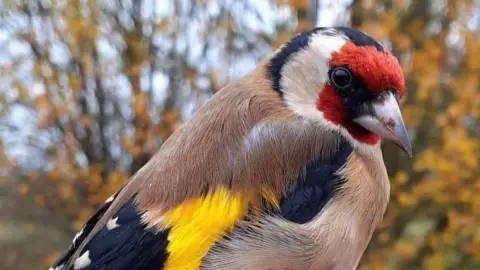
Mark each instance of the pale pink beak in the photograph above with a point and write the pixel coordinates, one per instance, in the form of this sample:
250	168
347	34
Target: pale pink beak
387	122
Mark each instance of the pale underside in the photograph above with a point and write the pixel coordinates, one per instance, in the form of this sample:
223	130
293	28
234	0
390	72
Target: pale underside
335	239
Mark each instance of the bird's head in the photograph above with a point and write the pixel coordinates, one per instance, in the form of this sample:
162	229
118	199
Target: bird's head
346	81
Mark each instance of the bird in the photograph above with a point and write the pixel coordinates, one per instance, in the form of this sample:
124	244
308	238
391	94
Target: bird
281	168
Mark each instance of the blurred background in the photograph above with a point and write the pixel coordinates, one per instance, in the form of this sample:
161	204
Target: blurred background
90	89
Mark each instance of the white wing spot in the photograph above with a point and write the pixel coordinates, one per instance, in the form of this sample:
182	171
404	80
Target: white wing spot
110	198
82	261
112	224
60	267
76	237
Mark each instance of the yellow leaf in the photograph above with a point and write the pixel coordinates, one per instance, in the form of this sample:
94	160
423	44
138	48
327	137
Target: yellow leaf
23	189
435	261
404	249
406	200
139	105
401	177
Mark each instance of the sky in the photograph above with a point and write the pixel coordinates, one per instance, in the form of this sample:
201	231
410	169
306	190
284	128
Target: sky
330	13
24	122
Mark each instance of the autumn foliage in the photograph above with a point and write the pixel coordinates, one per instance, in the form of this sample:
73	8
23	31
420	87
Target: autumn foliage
89	91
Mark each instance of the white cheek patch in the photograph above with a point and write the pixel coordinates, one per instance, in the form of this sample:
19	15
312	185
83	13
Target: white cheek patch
306	72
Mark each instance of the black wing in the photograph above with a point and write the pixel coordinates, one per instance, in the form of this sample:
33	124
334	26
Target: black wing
80	236
125	243
315	187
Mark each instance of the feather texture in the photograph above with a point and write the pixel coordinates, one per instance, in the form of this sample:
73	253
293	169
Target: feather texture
125	243
246	183
197	224
315	187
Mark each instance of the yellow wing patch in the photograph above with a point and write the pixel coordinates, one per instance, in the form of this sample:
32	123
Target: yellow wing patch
270	197
197	224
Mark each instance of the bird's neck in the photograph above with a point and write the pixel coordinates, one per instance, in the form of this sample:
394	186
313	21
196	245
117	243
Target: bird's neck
354	212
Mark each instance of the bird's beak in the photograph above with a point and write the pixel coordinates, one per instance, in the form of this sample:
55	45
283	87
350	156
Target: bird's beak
387	122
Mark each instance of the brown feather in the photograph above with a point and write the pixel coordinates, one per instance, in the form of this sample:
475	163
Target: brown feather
205	152
242	138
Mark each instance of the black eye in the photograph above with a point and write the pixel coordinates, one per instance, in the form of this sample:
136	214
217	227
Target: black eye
341	77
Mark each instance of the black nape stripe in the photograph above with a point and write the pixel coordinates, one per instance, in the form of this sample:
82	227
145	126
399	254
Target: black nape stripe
360	39
301	41
315	188
274	68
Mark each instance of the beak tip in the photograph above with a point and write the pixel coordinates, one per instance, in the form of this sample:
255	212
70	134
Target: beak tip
403	142
406	147
409	153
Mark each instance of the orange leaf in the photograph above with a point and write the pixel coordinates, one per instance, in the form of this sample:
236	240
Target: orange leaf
51	258
65	191
41	102
298	4
54	175
40	200
136	150
85	120
34	175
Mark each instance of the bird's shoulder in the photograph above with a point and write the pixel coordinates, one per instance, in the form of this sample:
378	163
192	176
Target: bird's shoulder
181	236
319	182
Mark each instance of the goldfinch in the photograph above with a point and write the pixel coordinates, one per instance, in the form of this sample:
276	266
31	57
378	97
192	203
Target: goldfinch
280	169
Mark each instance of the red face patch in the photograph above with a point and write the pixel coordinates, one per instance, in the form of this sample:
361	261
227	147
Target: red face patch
379	71
334	111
